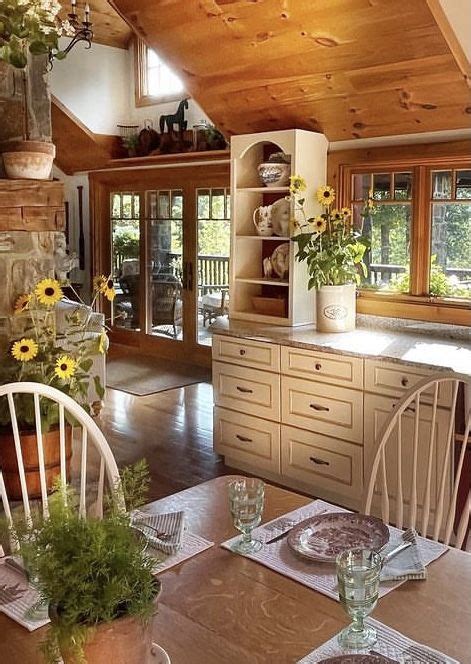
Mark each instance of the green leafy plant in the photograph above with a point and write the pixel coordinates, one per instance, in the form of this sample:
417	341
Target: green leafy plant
331	246
30	25
88	570
43	355
440	284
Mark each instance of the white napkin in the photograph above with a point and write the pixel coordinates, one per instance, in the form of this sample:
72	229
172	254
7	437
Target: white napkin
163	531
407	564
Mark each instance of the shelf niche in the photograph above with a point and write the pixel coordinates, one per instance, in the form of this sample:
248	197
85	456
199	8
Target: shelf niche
308	151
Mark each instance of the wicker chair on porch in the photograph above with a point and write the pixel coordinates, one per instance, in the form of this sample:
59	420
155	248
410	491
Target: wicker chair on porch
167	305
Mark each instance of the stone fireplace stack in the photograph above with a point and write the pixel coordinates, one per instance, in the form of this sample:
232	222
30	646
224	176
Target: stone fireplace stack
31	213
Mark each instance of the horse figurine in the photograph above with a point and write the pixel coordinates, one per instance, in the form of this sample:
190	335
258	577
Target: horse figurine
177	118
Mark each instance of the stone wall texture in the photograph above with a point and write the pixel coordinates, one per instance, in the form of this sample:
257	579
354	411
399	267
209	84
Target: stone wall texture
11	101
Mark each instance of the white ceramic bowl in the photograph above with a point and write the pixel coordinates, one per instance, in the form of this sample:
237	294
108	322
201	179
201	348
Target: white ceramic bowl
274	175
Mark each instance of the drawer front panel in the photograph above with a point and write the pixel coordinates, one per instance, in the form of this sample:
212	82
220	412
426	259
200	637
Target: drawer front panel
322	367
243	352
333	411
247	439
394	379
322	463
247	390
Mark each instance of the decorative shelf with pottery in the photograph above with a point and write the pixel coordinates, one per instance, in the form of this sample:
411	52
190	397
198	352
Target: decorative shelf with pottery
267	284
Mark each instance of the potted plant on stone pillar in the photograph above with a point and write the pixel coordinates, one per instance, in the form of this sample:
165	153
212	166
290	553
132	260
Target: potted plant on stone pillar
29	29
333	250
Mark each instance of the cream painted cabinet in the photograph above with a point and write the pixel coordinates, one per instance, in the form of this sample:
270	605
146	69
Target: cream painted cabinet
310	420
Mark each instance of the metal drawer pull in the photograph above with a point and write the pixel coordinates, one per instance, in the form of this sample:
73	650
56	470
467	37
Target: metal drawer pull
319	462
242	351
244	390
404	381
243	439
316	406
318	366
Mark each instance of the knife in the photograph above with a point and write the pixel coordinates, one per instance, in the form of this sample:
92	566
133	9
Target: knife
287	532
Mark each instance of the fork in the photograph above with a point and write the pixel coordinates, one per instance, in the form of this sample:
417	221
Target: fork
408	536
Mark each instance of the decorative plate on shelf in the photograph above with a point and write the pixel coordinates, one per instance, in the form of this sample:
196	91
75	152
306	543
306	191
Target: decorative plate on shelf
323	537
358	659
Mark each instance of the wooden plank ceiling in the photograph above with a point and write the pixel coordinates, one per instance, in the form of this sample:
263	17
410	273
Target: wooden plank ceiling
348	68
108	27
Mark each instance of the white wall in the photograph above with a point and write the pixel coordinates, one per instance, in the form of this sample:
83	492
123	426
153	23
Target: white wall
71	182
97	85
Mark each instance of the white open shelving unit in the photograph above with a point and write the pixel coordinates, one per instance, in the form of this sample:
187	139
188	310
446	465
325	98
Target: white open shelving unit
308	152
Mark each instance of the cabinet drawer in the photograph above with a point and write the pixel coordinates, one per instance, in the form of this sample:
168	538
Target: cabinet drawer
247	390
323	367
256	354
322	463
333	411
247	439
394	379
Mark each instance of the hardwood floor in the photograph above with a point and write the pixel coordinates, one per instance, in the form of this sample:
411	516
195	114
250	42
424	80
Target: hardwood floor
173	430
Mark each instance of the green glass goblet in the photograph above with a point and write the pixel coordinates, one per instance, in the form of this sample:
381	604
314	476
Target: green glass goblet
358	572
246	498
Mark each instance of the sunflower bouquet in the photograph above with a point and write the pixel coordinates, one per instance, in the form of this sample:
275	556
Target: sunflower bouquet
329	243
42	354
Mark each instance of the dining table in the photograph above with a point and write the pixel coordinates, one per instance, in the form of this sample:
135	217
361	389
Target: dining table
221	607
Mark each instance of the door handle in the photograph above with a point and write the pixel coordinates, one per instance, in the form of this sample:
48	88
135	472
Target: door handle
243	439
316	406
244	390
187	276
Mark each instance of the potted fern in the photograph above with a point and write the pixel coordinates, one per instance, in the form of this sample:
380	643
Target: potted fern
29	28
96	576
333	250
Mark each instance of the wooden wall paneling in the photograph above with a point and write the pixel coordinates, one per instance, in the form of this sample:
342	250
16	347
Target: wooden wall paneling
348	68
79	149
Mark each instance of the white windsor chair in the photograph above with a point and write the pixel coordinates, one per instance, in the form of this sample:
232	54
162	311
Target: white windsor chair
90	433
440	471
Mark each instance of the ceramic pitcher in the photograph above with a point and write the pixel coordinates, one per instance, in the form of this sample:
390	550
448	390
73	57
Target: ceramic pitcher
262	220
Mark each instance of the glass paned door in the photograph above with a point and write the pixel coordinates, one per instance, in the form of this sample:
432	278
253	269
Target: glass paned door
213	227
165	269
125	259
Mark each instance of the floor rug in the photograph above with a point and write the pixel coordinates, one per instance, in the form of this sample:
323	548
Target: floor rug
143	374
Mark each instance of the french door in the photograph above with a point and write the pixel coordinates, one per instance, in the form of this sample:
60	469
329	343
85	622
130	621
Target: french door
165	241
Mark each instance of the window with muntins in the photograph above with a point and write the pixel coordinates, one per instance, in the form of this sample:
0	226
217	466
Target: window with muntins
155	81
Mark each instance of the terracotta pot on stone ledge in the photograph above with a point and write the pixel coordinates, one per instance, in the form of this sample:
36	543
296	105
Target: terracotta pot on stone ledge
28	160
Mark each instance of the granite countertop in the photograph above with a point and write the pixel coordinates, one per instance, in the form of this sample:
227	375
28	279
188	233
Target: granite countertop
431	348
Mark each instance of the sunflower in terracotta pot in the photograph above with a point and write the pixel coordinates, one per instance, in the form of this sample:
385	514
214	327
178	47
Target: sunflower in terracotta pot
43	354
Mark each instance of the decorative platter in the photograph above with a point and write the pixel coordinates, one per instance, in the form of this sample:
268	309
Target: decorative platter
357	659
324	537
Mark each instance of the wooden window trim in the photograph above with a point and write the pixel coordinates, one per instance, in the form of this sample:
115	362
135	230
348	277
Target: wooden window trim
141	98
416	305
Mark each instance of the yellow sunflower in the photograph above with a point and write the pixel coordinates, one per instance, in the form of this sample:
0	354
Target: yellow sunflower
48	292
319	224
346	211
65	367
297	184
336	215
22	303
99	282
108	289
103	342
24	350
325	195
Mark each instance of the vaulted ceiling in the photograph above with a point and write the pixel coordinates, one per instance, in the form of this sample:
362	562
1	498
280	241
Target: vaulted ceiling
348	68
108	27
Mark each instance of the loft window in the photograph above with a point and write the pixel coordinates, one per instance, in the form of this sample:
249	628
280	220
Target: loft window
155	82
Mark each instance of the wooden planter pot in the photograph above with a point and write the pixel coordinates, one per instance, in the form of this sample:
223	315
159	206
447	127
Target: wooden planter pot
125	640
29	448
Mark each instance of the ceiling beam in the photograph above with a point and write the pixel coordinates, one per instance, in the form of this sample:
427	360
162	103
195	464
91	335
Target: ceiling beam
451	39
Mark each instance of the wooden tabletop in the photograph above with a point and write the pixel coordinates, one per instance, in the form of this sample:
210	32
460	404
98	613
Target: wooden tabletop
220	607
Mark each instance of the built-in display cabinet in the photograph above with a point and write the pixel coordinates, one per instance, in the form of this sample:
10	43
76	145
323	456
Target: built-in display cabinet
279	299
309	419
